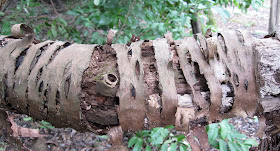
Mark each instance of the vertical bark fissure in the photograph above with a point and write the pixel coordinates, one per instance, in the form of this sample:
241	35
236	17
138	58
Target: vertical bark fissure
20	58
38	55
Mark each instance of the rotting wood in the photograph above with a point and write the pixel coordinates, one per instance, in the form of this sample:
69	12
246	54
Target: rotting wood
198	137
150	75
99	86
268	74
136	86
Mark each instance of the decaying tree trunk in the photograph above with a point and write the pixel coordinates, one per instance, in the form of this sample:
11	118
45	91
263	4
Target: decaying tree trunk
139	85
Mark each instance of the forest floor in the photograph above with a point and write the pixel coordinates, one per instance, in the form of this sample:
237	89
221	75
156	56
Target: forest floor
254	21
60	139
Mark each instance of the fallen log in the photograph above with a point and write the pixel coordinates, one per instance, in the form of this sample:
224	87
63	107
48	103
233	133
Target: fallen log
138	85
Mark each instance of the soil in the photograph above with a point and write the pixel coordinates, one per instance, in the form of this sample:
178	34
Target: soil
69	139
254	21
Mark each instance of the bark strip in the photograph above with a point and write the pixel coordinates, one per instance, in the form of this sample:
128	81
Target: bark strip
166	81
131	93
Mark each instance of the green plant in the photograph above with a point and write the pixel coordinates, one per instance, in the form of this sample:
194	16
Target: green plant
241	4
42	124
90	21
144	18
103	137
45	27
28	119
26	11
46	125
224	137
161	138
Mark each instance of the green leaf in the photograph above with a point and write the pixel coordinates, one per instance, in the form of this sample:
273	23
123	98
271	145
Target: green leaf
45	124
132	141
236	146
183	148
49	33
162	28
222	145
170	127
145	133
2	13
256	119
105	137
6	28
138	144
27	119
239	141
62	21
173	147
164	132
168	141
148	148
244	147
180	137
230	137
96	2
237	135
138	134
232	147
158	135
25	9
73	13
225	128
53	30
157	140
251	142
164	147
223	12
212	131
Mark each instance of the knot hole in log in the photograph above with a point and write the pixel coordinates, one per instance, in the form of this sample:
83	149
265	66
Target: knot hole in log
107	84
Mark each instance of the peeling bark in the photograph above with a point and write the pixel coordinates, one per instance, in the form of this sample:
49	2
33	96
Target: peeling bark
138	86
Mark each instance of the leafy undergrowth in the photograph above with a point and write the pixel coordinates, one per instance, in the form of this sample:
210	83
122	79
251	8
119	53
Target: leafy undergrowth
224	137
159	138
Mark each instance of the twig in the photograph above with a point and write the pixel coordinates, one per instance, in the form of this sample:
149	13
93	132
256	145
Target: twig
124	23
54	7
